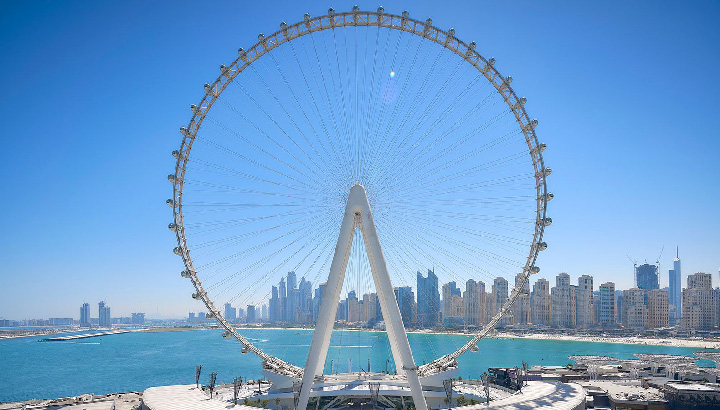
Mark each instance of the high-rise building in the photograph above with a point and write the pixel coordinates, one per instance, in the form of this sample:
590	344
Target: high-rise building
563	302
500	296
636	311
698	302
317	300
138	318
251	315
306	305
585	314
448	290
428	300
658	310
353	307
282	301
291	281
230	313
675	291
541	303
606	317
369	307
521	307
406	301
85	315
471	299
647	277
274	311
264	312
103	315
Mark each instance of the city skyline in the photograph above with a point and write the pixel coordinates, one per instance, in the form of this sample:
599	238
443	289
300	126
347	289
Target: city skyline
120	249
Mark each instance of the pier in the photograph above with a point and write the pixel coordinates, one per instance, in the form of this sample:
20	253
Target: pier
83	336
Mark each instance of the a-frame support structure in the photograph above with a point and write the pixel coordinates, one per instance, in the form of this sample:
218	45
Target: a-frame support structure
358	215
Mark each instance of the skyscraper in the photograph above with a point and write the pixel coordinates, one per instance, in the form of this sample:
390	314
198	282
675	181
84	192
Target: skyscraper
500	295
251	315
406	302
647	277
563	302
273	312
103	315
658	311
521	307
471	300
607	305
282	301
585	310
305	315
230	313
635	307
317	300
541	302
428	300
675	291
85	315
698	302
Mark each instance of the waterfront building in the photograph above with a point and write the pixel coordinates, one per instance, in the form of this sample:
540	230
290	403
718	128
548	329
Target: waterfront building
369	307
282	301
264	312
317	300
634	302
428	300
353	307
103	315
482	303
541	303
646	277
230	312
563	302
500	296
521	307
85	315
137	318
448	290
274	314
291	281
305	302
658	309
406	301
471	302
675	291
251	315
698	302
606	316
585	314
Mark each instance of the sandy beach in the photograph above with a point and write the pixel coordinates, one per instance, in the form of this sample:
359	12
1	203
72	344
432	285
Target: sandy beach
698	343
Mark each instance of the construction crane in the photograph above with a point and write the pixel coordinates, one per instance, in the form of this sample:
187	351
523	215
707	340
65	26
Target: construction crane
634	262
657	263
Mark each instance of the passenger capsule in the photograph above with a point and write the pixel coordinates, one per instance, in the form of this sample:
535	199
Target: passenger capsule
183	130
172	227
193	108
549	196
491	61
283	26
261	37
196	295
306	17
451	32
474	348
226	334
223	68
534	269
170	202
185	274
542	147
177	251
547	221
472	45
242	52
331	11
534	122
522	100
428	22
547	171
406	14
207	86
356	8
171	178
381	10
244	350
542	246
508	80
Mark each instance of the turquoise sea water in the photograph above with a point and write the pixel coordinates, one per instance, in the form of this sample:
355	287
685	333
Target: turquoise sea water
135	361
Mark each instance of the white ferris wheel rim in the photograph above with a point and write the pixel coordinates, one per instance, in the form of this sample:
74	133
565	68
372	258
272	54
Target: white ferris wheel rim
357	18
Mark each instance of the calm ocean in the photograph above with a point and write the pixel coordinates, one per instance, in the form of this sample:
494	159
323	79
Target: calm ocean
135	361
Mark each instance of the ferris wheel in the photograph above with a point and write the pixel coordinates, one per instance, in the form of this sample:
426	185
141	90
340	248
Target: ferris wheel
438	139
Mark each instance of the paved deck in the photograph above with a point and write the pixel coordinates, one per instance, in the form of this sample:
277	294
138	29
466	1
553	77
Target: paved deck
536	396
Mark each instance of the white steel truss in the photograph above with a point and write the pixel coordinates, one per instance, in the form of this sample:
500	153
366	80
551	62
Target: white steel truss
358	215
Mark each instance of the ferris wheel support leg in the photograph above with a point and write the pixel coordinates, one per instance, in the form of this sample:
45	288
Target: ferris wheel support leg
328	309
388	304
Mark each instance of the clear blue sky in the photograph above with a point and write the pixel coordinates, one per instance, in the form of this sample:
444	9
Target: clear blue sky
93	95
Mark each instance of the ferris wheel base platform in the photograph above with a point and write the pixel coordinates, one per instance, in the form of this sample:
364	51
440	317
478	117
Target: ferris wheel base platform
536	395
